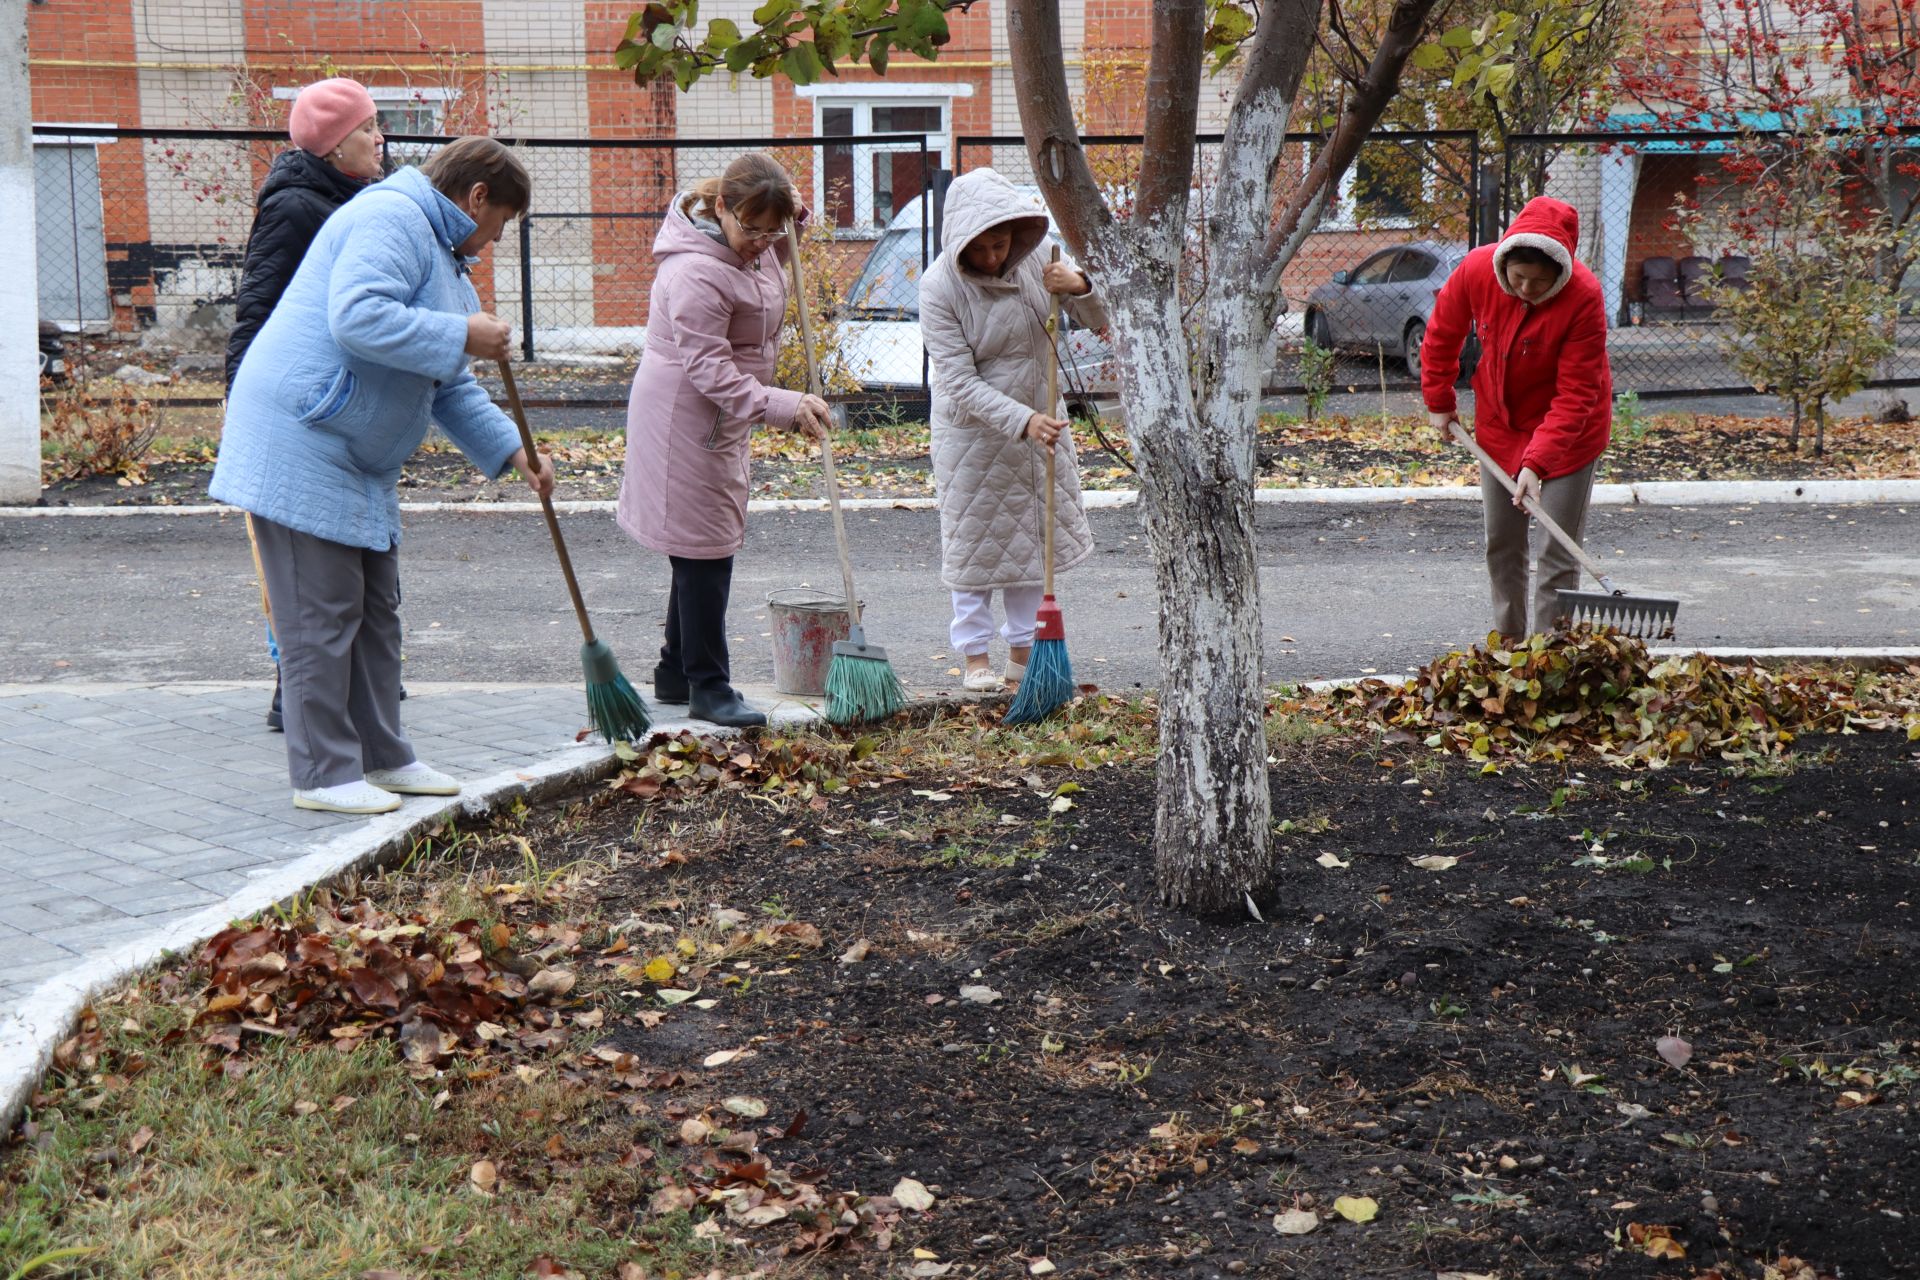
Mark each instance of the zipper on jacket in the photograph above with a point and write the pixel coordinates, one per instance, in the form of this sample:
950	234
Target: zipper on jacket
714	434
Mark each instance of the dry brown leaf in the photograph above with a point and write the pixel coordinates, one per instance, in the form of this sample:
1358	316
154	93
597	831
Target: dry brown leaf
484	1177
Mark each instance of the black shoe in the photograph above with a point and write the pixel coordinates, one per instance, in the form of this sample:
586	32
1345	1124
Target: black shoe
726	707
274	720
403	693
669	686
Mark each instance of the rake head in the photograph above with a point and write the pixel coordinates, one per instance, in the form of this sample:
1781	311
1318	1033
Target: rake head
1649	617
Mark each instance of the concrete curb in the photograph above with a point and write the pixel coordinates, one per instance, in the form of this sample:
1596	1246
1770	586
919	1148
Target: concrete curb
29	1035
1658	493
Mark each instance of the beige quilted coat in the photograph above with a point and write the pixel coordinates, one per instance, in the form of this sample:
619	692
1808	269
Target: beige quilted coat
986	341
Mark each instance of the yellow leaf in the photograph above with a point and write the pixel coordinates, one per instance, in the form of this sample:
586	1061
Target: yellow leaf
660	969
1356	1208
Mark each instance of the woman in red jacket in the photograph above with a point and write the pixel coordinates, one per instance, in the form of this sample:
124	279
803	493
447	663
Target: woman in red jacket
1542	395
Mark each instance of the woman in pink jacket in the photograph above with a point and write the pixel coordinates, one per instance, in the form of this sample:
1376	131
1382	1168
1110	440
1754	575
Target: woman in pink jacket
713	330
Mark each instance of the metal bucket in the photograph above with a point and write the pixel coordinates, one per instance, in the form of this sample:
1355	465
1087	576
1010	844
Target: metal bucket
806	623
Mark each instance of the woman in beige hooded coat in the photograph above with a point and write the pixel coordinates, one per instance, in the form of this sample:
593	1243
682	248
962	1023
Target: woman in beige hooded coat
983	311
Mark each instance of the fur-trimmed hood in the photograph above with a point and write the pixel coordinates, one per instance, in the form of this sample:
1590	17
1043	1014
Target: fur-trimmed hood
1549	225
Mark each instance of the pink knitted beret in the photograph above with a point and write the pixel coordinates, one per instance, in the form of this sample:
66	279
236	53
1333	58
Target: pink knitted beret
326	112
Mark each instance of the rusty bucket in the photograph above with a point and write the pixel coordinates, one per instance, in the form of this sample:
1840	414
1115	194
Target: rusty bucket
806	623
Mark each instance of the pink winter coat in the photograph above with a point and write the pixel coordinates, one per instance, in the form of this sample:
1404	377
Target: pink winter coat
713	329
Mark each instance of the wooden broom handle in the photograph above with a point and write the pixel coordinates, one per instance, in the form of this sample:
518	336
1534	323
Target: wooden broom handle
1533	507
826	442
546	501
1053	398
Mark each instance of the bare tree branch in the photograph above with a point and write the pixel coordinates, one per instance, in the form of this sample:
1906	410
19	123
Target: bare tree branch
1172	118
1364	106
1046	117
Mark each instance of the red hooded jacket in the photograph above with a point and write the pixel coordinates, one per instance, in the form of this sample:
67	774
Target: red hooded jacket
1543	393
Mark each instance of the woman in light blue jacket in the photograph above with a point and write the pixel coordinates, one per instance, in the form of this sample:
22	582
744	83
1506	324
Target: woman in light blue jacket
369	346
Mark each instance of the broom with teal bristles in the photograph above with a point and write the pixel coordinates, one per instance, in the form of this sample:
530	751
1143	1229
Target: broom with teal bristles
1048	684
861	685
612	705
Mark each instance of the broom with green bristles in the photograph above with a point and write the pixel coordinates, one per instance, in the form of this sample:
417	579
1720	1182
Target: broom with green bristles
615	709
861	684
1048	684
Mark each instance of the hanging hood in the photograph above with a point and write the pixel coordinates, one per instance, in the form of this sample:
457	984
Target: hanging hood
981	200
1549	225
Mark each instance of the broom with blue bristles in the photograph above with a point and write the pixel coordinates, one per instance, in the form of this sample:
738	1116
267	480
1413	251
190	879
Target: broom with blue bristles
861	685
1048	684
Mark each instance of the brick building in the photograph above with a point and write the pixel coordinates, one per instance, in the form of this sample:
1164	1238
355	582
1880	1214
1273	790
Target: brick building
141	232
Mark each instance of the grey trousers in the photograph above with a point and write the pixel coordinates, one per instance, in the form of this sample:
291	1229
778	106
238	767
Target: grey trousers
1565	499
336	615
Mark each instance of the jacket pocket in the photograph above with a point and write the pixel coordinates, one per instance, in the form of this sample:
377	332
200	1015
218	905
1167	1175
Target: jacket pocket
332	399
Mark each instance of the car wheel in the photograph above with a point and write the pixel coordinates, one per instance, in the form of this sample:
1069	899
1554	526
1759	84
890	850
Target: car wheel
1410	346
1319	330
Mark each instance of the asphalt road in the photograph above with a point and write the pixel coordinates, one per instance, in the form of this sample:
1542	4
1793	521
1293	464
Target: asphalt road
1345	589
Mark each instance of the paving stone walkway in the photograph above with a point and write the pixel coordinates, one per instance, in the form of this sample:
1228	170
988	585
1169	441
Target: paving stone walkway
125	808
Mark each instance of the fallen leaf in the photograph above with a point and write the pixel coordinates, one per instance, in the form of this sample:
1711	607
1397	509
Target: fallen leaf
1436	862
925	1255
1674	1051
1296	1222
1855	1098
673	995
660	969
746	1108
721	1058
484	1176
913	1195
551	982
979	995
1632	1110
857	952
1331	860
693	1131
1356	1208
1060	805
142	1136
1041	1267
1465	1275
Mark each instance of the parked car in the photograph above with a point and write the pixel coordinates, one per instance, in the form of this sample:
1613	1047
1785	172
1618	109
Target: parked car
878	331
1385	301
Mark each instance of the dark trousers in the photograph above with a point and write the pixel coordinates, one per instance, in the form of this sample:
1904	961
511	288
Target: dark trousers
335	614
696	646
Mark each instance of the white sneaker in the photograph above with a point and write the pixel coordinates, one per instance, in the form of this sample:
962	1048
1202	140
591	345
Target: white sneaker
1016	672
983	680
348	797
415	779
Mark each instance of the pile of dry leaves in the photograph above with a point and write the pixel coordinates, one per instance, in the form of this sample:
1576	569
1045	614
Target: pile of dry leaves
1594	689
355	972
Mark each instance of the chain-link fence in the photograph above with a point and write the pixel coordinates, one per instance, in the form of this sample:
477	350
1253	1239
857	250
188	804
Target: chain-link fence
1361	286
1663	274
142	233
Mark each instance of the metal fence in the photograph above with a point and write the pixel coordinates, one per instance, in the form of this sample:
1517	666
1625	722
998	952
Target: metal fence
1364	281
1668	338
141	234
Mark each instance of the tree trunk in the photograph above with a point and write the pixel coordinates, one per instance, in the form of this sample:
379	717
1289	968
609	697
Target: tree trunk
1819	426
1793	441
1213	816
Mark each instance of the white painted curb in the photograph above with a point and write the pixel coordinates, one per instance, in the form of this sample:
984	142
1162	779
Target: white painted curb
1655	493
31	1032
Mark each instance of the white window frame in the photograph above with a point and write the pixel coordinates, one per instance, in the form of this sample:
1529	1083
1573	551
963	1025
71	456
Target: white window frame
863	98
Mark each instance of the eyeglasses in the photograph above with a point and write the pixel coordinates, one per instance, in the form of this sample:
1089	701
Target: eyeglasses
756	233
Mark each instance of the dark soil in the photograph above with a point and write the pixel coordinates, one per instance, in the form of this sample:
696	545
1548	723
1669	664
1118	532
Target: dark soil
1471	1047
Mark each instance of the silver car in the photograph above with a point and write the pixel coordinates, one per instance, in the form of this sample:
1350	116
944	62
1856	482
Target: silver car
1385	301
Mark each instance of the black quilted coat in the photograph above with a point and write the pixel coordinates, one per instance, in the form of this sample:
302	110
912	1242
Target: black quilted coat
300	191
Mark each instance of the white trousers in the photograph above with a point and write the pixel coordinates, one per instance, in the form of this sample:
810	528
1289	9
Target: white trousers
972	629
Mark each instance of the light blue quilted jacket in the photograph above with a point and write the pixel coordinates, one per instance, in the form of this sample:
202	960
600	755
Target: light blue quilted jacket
364	351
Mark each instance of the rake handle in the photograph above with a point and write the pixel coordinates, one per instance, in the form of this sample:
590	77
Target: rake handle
826	443
546	501
1053	399
1534	509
